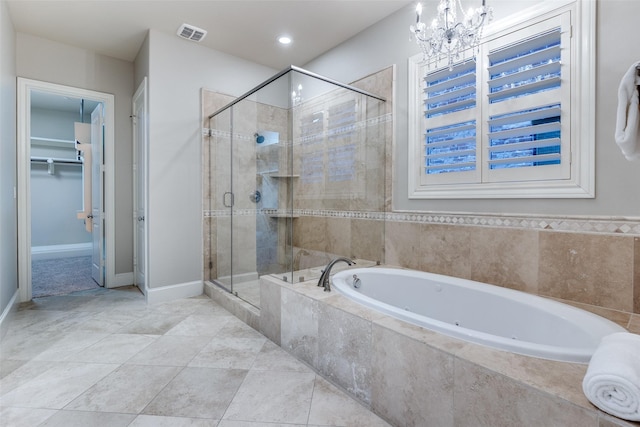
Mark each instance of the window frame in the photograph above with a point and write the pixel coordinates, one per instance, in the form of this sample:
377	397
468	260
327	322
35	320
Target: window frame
581	182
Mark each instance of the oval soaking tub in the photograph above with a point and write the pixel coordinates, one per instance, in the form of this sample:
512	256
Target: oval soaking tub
478	312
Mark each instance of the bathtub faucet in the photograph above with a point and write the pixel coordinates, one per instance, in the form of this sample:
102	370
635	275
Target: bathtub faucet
324	277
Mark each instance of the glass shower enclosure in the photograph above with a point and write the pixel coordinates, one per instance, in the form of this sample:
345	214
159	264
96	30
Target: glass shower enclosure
294	176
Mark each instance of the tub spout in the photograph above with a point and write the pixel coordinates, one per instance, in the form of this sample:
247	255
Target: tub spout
324	277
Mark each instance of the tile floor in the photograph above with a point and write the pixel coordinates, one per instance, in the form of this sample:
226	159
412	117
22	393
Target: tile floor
105	358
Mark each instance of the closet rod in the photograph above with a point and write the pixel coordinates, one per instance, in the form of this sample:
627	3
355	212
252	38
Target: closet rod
57	161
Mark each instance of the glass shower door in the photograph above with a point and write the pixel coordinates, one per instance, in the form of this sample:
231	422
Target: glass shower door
221	199
245	201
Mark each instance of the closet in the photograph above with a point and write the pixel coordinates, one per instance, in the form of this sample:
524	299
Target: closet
61	243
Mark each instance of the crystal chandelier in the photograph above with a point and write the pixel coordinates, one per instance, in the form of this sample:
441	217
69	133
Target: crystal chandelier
447	37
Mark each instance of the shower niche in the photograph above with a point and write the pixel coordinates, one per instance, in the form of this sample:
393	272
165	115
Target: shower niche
294	175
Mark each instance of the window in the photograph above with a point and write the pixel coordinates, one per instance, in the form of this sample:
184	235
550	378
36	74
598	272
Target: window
516	122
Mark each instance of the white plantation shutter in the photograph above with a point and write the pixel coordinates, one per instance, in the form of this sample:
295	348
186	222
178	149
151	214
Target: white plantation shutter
528	111
449	139
518	121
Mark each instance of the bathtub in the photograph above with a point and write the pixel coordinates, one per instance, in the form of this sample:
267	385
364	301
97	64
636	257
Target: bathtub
478	312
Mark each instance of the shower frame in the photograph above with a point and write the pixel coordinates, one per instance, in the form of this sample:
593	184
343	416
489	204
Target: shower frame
285	211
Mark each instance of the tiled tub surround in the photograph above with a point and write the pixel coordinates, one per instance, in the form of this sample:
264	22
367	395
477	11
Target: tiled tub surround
598	271
414	377
593	264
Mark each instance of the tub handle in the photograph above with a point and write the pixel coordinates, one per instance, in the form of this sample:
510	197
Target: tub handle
356	281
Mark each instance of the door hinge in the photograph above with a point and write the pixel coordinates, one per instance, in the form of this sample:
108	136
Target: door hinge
210	265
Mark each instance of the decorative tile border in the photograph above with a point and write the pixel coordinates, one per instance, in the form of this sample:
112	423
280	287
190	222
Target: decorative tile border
614	226
567	224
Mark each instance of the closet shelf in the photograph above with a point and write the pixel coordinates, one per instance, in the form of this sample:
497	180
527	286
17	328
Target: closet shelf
52	142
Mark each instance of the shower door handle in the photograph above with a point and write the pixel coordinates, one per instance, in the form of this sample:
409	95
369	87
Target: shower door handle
224	199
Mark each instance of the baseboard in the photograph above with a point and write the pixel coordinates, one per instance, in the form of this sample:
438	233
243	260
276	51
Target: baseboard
8	313
61	251
174	292
122	279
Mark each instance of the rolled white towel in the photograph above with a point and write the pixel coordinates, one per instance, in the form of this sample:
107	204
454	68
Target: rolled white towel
628	116
612	381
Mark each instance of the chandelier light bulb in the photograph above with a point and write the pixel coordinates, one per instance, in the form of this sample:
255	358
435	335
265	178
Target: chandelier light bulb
448	38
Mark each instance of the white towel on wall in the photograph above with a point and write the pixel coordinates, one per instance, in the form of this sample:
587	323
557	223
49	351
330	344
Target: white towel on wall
628	115
612	381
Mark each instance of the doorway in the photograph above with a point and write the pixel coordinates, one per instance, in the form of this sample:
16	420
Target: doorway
85	231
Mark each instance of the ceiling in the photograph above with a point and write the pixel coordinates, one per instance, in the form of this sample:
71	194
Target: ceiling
247	29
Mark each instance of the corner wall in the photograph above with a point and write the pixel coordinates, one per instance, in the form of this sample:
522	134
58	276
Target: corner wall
8	203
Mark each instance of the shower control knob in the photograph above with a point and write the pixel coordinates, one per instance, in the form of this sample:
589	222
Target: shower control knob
255	197
140	218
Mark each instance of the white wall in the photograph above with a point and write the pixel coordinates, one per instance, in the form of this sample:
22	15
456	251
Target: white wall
141	64
387	42
8	204
49	61
178	70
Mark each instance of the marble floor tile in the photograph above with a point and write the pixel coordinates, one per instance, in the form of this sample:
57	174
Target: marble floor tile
24	319
277	397
23	374
110	321
158	421
235	328
61	302
69	345
274	358
231	353
233	423
25	345
332	407
103	358
84	419
71	322
200	325
58	386
115	348
198	393
8	366
24	417
152	323
186	307
170	351
127	390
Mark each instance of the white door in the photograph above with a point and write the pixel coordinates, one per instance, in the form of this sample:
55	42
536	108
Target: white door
140	185
97	202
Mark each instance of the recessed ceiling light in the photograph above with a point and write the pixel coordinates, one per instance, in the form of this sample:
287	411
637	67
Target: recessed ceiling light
284	40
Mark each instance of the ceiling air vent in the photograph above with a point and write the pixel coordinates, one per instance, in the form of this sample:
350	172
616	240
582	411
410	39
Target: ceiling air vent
192	33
